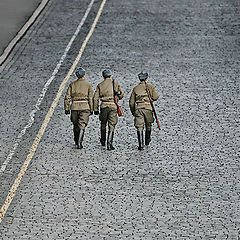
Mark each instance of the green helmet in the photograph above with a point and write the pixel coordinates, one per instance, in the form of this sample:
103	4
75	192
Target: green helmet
80	72
143	76
106	73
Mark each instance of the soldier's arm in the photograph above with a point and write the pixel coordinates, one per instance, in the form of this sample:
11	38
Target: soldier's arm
120	92
68	98
96	99
154	94
90	98
132	101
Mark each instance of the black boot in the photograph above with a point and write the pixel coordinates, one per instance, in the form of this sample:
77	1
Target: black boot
103	137
140	140
81	135
110	141
147	137
76	137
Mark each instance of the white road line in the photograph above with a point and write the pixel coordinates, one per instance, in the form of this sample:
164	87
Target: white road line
44	90
42	129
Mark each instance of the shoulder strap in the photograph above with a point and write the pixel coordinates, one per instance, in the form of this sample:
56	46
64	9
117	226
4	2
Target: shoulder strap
113	88
148	92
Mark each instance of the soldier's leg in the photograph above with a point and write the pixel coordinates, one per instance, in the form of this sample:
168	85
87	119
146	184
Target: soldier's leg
83	118
103	118
112	121
147	136
148	122
103	136
76	130
82	123
81	135
139	124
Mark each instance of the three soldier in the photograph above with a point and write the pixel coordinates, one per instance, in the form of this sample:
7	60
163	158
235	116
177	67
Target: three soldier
84	103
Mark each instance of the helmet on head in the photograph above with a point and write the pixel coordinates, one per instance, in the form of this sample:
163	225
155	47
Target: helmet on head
80	72
143	76
106	73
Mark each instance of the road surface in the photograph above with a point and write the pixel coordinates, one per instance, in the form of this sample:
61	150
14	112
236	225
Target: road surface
185	185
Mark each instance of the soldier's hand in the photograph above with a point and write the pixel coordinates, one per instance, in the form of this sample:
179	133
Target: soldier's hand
96	112
91	113
67	112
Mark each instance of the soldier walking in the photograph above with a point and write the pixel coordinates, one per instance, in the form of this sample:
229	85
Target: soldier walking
79	95
108	108
141	108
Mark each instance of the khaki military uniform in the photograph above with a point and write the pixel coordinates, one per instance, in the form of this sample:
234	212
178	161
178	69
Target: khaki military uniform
108	109
140	105
78	99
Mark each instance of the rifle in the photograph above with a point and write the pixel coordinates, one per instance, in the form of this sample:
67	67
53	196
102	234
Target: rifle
119	110
153	108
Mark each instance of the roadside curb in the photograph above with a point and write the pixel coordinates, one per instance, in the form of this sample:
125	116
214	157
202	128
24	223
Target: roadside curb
22	31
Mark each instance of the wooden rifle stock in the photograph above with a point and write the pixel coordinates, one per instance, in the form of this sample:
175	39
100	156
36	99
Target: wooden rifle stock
153	108
119	110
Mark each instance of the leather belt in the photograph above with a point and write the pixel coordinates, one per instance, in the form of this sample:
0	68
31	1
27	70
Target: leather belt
107	102
143	103
80	101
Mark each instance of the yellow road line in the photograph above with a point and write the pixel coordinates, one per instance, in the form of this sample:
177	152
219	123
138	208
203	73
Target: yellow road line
42	129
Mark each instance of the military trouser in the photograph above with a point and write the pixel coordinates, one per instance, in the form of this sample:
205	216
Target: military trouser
143	117
79	119
108	115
